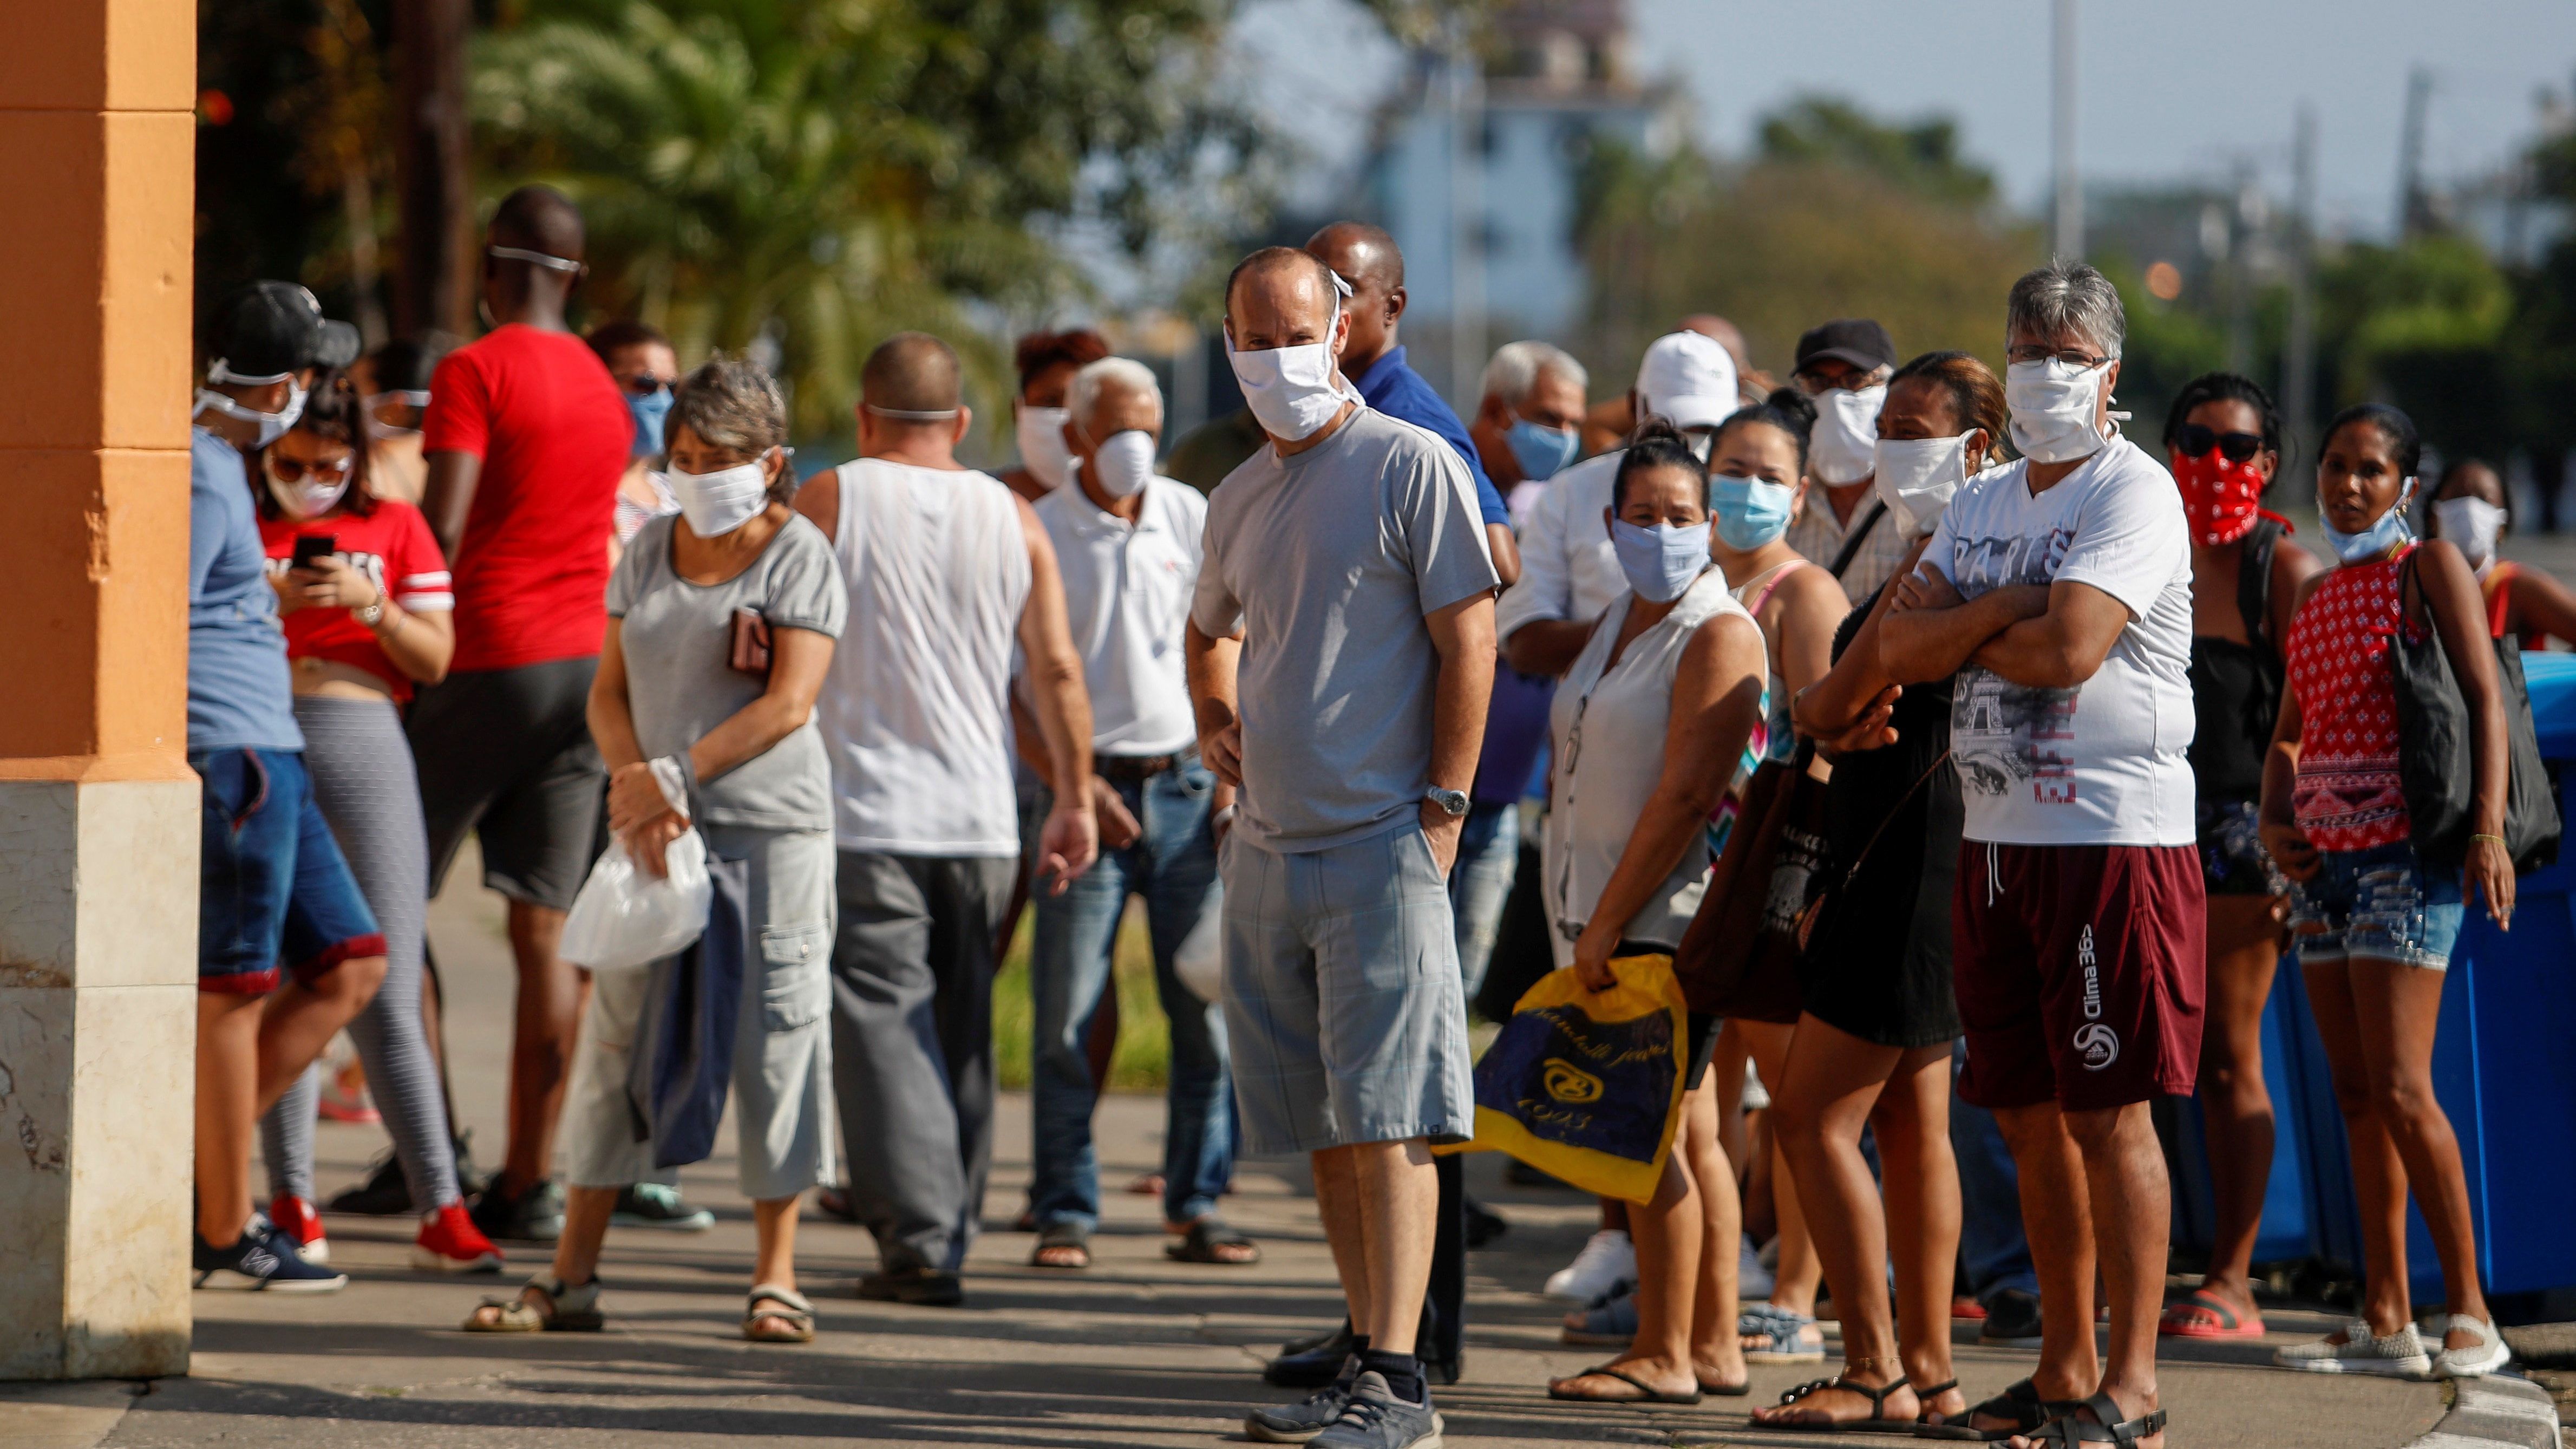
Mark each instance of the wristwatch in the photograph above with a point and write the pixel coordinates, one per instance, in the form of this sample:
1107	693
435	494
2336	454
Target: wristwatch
1452	803
371	615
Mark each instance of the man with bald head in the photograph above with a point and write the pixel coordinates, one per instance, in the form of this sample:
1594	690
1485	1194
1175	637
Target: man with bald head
1367	258
526	437
949	571
1341	648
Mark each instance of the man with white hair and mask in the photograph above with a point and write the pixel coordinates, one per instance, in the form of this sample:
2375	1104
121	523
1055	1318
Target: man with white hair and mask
1568	572
1127	542
1529	423
1340	652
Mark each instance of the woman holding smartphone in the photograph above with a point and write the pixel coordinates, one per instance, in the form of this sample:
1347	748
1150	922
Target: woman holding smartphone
364	594
700	731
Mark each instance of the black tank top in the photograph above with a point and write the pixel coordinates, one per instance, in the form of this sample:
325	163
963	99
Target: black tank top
2236	688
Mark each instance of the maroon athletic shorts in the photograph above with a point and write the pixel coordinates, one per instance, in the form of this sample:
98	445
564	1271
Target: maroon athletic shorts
2080	971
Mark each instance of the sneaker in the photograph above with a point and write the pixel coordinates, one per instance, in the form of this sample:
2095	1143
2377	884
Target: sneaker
384	1194
1374	1418
450	1243
653	1205
534	1216
2012	1320
1752	1279
1607	1257
2396	1355
2477	1360
262	1259
296	1218
1298	1422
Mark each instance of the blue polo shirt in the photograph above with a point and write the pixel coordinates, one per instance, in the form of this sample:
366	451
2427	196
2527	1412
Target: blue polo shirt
1399	392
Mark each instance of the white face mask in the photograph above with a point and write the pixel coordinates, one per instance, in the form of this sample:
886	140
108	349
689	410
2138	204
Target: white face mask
1846	426
272	426
1916	477
1122	463
717	503
1291	390
1042	450
2054	405
308	497
2471	524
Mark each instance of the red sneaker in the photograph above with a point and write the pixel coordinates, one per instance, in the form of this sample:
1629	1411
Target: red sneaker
302	1225
450	1243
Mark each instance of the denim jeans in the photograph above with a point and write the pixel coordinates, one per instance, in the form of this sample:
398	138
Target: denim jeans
1489	855
1173	866
1991	1241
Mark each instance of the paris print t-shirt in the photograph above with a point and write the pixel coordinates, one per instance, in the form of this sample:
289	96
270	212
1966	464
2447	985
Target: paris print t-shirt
2102	763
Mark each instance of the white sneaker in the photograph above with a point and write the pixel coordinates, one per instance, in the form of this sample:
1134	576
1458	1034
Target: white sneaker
1608	1257
2476	1361
1752	1280
2398	1355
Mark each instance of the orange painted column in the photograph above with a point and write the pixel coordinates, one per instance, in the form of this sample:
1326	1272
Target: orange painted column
98	814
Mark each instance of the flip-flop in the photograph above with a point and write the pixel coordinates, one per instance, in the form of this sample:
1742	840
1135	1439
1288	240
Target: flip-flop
1876	1423
1059	1238
2203	1314
1205	1236
1646	1393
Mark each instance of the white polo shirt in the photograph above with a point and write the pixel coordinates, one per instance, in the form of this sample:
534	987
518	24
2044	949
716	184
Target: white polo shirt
1568	569
1127	597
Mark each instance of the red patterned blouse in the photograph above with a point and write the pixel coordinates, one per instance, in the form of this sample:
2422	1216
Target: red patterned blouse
2348	796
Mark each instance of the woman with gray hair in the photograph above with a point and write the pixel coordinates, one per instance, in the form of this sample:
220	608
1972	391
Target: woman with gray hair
721	623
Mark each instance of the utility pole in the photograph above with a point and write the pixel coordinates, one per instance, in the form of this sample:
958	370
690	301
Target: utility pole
434	289
1466	215
2068	243
2299	352
2411	208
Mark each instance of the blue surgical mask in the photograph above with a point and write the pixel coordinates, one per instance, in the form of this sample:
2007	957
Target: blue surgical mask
1541	451
649	411
1749	512
1660	562
2379	538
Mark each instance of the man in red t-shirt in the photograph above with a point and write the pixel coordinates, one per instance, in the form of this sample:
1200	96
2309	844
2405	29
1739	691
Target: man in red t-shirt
526	436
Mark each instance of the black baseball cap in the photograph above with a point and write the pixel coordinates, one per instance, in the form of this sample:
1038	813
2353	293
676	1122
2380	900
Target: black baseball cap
1856	340
266	331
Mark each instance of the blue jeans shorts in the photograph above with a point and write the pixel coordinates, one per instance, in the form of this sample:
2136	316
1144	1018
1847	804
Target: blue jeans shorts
273	888
2380	903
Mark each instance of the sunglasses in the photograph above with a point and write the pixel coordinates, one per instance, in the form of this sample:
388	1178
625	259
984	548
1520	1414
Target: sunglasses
290	470
645	384
2192	439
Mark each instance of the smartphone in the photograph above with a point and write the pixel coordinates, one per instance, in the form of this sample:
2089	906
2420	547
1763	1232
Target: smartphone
312	546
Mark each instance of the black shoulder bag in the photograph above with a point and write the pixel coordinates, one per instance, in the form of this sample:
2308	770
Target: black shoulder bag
2436	763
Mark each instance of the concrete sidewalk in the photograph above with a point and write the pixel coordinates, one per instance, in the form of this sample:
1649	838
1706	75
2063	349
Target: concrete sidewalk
1138	1351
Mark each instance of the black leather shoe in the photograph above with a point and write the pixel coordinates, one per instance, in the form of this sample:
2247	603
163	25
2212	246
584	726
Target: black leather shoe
1311	1363
1484	1224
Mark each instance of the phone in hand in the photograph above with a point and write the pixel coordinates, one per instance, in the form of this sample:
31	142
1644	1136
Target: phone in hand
750	643
314	546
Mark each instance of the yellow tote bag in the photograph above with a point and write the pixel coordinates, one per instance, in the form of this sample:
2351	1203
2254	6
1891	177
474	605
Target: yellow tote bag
1587	1086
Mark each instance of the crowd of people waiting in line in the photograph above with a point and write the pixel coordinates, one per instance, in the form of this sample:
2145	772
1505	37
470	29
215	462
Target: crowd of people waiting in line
2082	741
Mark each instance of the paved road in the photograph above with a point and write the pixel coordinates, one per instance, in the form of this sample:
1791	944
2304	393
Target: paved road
1139	1351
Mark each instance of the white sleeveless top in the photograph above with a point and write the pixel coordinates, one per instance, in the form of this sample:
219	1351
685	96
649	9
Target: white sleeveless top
915	711
1608	734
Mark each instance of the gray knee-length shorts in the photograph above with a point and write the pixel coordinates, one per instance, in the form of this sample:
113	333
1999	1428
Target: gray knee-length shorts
1343	1002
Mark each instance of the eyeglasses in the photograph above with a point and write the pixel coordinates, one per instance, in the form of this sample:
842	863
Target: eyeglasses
1815	384
2192	440
645	384
2037	352
291	470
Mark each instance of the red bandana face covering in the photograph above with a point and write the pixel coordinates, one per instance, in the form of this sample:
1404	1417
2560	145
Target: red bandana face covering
2221	499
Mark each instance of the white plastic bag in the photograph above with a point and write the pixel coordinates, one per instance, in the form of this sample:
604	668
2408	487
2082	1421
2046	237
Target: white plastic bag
625	918
1200	962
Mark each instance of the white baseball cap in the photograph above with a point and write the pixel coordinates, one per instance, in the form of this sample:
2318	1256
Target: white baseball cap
1687	379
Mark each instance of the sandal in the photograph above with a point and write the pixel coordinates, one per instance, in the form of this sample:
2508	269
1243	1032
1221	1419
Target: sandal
2019	1404
1205	1237
1646	1393
771	1303
1067	1240
1876	1423
1780	1334
2203	1314
2110	1428
566	1310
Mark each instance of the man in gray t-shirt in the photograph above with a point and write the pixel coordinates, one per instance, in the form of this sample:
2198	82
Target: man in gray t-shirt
1341	648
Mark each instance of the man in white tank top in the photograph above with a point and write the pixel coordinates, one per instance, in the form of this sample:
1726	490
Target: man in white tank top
947	571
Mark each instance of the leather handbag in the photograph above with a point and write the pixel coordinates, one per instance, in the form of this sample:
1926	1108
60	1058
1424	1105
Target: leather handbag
2436	759
1740	956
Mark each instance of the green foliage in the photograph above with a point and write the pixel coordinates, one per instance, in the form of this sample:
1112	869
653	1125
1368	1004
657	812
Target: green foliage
1922	157
828	171
1142	1060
